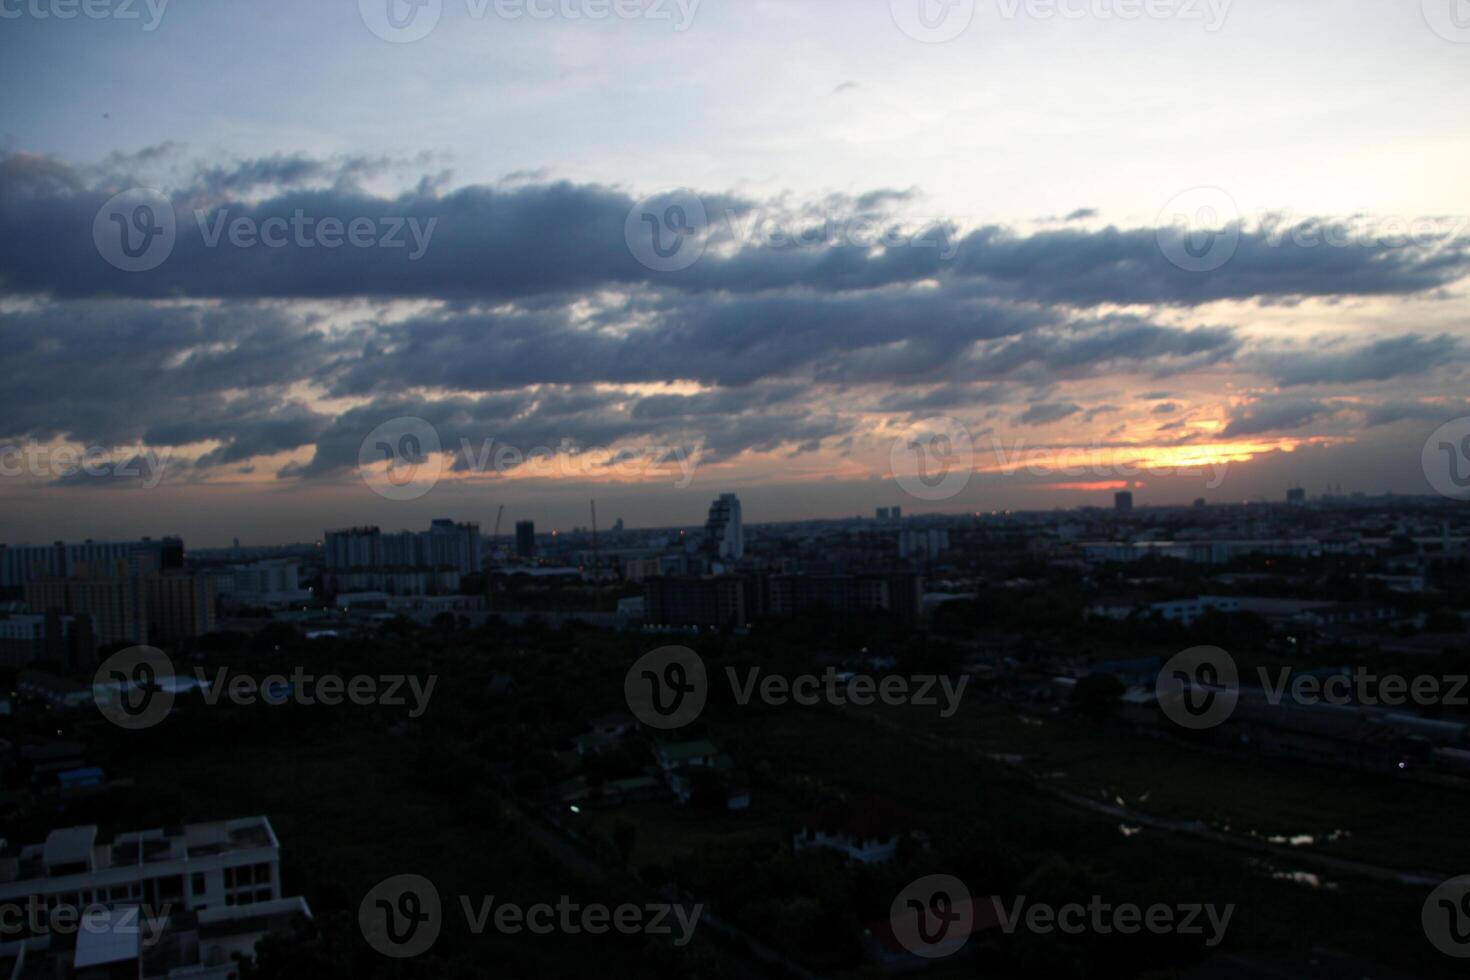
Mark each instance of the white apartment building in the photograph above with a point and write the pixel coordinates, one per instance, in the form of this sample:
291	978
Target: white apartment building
272	582
214	888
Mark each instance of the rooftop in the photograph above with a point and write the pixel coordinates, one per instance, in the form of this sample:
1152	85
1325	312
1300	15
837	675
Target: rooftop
69	846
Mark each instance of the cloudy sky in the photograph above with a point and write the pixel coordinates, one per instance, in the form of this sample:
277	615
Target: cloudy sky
652	250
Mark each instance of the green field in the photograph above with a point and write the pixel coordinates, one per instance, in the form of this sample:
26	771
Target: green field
1356	815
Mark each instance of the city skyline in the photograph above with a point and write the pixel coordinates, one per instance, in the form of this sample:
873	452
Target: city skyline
573	525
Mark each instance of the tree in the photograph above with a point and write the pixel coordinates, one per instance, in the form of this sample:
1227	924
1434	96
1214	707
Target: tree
1443	621
625	834
1096	696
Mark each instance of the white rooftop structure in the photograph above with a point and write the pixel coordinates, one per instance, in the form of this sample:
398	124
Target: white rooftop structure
108	936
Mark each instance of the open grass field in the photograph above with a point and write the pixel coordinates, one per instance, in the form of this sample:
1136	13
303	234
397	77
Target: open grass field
1357	815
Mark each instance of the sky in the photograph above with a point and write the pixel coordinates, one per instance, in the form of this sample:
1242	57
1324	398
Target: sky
271	268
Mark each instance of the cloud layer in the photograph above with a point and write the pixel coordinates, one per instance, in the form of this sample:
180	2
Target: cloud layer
529	316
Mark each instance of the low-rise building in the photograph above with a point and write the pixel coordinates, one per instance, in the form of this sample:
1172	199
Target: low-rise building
865	831
169	902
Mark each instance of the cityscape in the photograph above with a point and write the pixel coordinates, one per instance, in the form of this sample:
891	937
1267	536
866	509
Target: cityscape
732	489
1039	643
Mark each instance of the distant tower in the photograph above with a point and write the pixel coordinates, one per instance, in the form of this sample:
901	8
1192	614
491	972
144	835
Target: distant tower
883	513
1296	496
724	535
897	514
1123	501
526	539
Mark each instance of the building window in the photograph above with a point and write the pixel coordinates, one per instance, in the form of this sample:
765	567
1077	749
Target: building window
198	883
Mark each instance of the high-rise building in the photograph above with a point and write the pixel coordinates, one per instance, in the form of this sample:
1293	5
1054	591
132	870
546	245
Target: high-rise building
269	582
179	607
353	547
695	601
1296	496
444	545
883	513
21	565
25	639
526	539
1123	501
786	595
724	534
111	598
926	543
450	545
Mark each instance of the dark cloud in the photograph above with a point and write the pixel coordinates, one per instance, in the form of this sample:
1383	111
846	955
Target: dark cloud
1086	348
471	430
719	402
1275	414
115	373
531	240
1387	413
145	470
128	371
1047	413
1380	360
530	309
948	397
